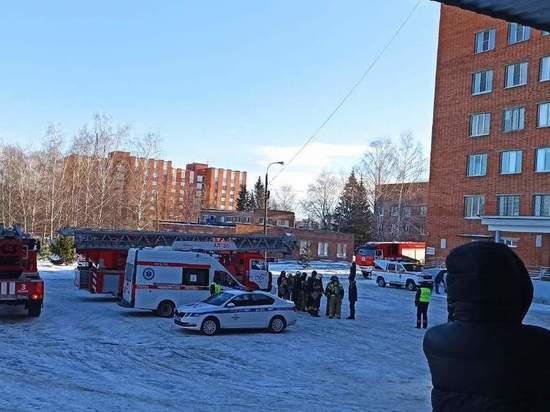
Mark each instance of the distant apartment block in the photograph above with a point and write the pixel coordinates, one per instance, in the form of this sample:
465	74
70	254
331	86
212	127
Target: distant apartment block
149	190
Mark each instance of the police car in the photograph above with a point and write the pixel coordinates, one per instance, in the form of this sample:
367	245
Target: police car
234	309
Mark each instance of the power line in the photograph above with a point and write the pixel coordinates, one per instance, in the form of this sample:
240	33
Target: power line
350	92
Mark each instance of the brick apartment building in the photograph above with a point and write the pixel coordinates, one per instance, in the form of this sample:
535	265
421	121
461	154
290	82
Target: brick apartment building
400	212
490	159
158	190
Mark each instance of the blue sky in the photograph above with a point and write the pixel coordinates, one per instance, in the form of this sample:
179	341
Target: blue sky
235	83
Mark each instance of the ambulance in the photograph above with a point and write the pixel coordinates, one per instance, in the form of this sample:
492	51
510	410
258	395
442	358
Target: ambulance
162	278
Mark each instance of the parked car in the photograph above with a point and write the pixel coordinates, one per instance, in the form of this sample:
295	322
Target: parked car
400	273
234	309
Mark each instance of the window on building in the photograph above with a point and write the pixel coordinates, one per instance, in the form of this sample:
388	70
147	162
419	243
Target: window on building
200	178
545	69
516	74
513	119
544	115
381	211
518	33
545	33
407	211
322	249
395	211
485	40
542	205
543	160
474	206
510	242
477	164
342	250
508	205
482	82
480	124
511	162
423	210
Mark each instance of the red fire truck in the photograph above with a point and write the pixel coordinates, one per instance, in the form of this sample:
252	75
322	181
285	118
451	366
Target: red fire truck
367	254
105	252
20	283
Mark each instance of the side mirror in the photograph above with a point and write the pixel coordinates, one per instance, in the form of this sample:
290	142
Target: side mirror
230	305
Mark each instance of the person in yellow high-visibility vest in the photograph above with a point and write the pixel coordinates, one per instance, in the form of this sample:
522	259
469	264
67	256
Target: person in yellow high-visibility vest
216	286
422	301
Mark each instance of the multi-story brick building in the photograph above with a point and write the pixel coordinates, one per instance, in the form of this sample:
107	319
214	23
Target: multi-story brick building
144	191
490	160
400	212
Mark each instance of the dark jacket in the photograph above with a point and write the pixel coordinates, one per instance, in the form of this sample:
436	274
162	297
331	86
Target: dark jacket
352	291
486	359
353	269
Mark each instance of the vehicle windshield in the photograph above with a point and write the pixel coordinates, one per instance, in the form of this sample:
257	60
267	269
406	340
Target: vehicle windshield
410	267
219	299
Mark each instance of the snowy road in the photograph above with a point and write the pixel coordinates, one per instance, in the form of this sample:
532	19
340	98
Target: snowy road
86	353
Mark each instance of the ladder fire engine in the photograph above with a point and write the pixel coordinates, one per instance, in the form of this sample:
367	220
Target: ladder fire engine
20	283
106	250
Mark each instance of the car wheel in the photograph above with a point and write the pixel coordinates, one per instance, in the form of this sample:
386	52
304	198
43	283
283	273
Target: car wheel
166	309
381	282
35	309
277	324
411	285
210	326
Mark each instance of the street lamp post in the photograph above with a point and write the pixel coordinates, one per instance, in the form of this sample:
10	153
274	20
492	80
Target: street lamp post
266	198
266	193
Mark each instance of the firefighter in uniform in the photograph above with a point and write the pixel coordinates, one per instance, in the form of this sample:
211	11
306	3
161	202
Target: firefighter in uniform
335	294
422	301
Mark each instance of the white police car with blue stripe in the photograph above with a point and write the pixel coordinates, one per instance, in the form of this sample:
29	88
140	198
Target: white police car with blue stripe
234	309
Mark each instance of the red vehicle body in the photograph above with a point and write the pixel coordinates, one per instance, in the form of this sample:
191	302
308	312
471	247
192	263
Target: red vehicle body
367	254
20	283
105	253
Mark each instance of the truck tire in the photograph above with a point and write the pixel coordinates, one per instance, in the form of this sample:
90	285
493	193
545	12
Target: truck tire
410	285
35	309
210	326
381	282
166	309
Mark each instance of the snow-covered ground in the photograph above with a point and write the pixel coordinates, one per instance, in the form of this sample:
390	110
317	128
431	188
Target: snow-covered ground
86	353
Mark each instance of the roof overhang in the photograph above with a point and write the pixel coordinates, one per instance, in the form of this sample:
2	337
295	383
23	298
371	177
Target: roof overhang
523	224
534	13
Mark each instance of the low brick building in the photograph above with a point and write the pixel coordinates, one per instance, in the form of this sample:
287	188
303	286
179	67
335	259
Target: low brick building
228	217
317	244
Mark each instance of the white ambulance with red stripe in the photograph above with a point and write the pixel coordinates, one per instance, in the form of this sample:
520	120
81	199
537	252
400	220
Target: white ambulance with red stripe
163	278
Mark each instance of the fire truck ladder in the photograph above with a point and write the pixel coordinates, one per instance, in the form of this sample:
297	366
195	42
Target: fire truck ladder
114	239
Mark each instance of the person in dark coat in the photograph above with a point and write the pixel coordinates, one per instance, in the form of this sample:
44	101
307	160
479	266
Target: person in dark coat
439	279
352	294
316	294
280	280
486	359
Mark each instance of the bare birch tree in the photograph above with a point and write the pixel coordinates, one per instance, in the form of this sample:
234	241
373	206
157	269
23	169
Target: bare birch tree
322	198
284	199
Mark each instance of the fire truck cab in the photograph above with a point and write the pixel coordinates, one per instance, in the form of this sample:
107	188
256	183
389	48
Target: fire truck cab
20	283
163	278
373	251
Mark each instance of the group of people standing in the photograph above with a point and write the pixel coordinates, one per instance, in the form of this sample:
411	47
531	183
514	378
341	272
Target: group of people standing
306	292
